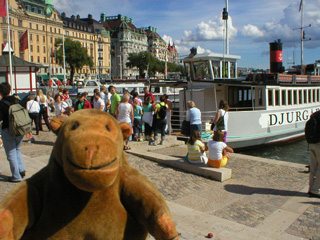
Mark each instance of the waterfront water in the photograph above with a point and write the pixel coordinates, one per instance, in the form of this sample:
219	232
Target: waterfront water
294	152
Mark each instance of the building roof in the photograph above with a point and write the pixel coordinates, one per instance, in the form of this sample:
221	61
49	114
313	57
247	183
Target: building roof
16	62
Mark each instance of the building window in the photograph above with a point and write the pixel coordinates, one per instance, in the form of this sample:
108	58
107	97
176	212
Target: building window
38	59
44	59
31	58
67	33
50	29
37	26
30	36
44	49
37	38
31	48
30	25
50	39
20	23
44	39
38	49
4	33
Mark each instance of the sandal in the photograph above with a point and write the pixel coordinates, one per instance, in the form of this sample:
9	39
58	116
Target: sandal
126	148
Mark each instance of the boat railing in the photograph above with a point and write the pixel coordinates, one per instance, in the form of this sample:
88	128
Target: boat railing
237	109
177	118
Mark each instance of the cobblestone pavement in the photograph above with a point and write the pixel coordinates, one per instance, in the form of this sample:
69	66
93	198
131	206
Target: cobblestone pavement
255	192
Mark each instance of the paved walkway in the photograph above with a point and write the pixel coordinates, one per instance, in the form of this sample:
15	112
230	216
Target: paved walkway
265	199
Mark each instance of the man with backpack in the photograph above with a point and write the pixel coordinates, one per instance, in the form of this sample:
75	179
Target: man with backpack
312	134
12	137
160	120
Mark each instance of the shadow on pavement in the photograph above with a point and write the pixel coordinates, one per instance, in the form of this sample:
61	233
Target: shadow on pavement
37	142
246	190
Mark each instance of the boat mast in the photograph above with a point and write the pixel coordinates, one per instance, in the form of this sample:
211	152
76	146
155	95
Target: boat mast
227	35
302	33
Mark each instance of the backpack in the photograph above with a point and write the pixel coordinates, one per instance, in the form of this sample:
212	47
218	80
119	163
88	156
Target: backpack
220	124
19	120
162	112
312	128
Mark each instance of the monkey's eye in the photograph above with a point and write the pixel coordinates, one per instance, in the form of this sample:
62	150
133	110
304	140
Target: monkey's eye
108	128
75	126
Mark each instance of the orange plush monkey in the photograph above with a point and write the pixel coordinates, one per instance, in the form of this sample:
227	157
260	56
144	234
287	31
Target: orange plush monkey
88	190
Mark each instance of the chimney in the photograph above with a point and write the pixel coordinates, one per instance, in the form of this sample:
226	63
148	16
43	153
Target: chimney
63	15
89	16
73	17
78	17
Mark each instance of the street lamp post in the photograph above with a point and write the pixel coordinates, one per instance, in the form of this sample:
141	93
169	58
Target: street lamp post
64	59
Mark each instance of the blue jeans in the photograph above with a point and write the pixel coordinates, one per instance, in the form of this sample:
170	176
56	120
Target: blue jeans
194	127
160	125
12	148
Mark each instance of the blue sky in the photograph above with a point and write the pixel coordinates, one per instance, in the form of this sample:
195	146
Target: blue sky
253	24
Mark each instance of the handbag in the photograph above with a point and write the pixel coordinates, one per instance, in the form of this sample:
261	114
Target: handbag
185	128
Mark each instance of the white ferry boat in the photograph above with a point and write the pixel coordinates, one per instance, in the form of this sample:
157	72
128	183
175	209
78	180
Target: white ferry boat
264	108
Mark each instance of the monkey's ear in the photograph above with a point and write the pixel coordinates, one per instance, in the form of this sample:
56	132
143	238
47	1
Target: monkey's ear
57	122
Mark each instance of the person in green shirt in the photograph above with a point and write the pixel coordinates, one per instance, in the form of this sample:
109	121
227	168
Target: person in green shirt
115	100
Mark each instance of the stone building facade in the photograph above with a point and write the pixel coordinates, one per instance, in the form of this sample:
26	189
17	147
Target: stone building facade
126	38
45	25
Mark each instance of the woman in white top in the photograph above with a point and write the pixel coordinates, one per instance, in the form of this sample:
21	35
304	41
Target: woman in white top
33	108
60	106
221	119
124	113
44	110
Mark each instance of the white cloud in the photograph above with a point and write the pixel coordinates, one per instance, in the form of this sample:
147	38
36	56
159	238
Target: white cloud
183	47
287	28
251	31
210	31
202	50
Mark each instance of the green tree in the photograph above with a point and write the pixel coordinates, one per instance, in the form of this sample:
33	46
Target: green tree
76	55
144	61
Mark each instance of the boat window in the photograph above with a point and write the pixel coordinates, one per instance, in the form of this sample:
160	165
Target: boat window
225	69
155	89
318	95
260	97
270	97
305	96
295	97
277	98
249	94
201	70
310	96
314	95
232	69
216	68
289	97
300	96
284	97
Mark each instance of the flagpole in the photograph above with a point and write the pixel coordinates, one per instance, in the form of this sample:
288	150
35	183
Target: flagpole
9	45
29	45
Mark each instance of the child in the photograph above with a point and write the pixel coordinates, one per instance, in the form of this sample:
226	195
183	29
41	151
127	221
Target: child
218	156
196	149
137	124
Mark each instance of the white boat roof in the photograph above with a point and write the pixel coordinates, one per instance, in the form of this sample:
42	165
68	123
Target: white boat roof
212	55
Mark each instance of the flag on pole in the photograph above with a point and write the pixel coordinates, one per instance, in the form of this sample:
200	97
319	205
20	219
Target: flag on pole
3	8
23	41
300	6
